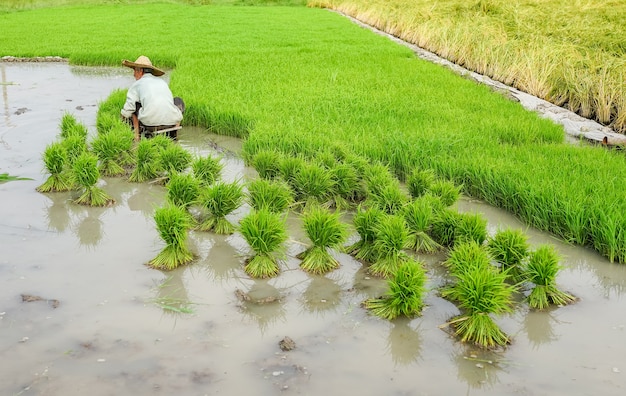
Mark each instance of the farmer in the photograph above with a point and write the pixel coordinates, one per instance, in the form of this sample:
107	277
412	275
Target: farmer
150	106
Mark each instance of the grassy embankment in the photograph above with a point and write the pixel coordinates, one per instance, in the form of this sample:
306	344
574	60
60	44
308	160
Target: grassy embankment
569	52
305	80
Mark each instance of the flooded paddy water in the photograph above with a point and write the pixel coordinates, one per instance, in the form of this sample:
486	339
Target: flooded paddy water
80	313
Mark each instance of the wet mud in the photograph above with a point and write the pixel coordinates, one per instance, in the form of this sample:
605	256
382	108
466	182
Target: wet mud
120	327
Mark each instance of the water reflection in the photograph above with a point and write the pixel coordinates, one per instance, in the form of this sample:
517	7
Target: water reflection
89	229
321	295
262	303
57	214
538	327
477	367
367	285
404	343
172	296
218	256
145	198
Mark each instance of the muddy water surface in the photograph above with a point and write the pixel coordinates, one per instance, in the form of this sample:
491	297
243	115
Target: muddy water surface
105	324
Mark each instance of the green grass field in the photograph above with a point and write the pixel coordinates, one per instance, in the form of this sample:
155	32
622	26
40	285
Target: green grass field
305	80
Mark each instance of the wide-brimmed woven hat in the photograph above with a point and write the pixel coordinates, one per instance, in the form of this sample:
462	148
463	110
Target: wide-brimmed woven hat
143	62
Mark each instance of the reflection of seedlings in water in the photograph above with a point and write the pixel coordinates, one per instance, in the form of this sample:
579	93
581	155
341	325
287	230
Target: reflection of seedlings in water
89	230
325	231
144	199
538	327
58	215
219	262
478	368
322	294
368	285
404	343
172	295
262	303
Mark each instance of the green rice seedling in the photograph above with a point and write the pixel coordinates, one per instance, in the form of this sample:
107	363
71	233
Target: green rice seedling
418	214
74	146
71	127
542	269
183	190
471	227
444	225
162	142
389	198
147	162
467	256
207	169
509	248
365	221
480	292
219	200
312	185
86	175
376	178
5	177
266	163
288	167
326	159
406	293
173	224
392	236
326	231
347	187
113	150
174	158
105	122
265	232
55	160
419	182
446	190
272	195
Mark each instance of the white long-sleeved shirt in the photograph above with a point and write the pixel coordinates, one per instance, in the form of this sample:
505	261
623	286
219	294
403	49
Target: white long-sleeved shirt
157	102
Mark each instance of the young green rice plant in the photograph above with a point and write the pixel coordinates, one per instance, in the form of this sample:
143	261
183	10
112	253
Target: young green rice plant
105	122
444	225
480	292
173	224
74	146
365	221
419	182
219	200
5	177
313	185
509	248
266	163
71	127
86	175
265	232
471	227
147	162
347	186
55	160
113	149
289	166
446	190
389	198
405	295
161	142
418	214
272	195
207	169
542	269
376	178
326	231
173	158
392	237
183	190
467	256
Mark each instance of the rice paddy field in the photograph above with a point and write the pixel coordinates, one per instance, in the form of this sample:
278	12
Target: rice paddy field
91	308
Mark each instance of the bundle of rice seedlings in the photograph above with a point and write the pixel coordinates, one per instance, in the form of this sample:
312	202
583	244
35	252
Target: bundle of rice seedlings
220	199
173	223
71	127
405	295
347	188
265	232
377	177
272	195
161	142
86	175
480	292
173	158
326	231
74	146
365	221
509	248
471	227
419	182
207	169
106	121
392	236
113	150
467	256
266	163
542	269
147	162
418	215
446	190
312	185
444	225
289	167
55	160
183	190
389	198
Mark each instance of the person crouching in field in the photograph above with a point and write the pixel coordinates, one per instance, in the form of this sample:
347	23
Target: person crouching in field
150	106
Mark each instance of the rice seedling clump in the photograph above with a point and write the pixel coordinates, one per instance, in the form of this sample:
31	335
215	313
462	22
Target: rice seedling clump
266	163
326	231
55	160
265	232
272	195
71	127
173	158
207	169
419	181
542	269
313	185
446	190
86	175
219	200
147	162
365	221
183	190
418	215
114	151
509	248
392	237
471	227
173	224
467	256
